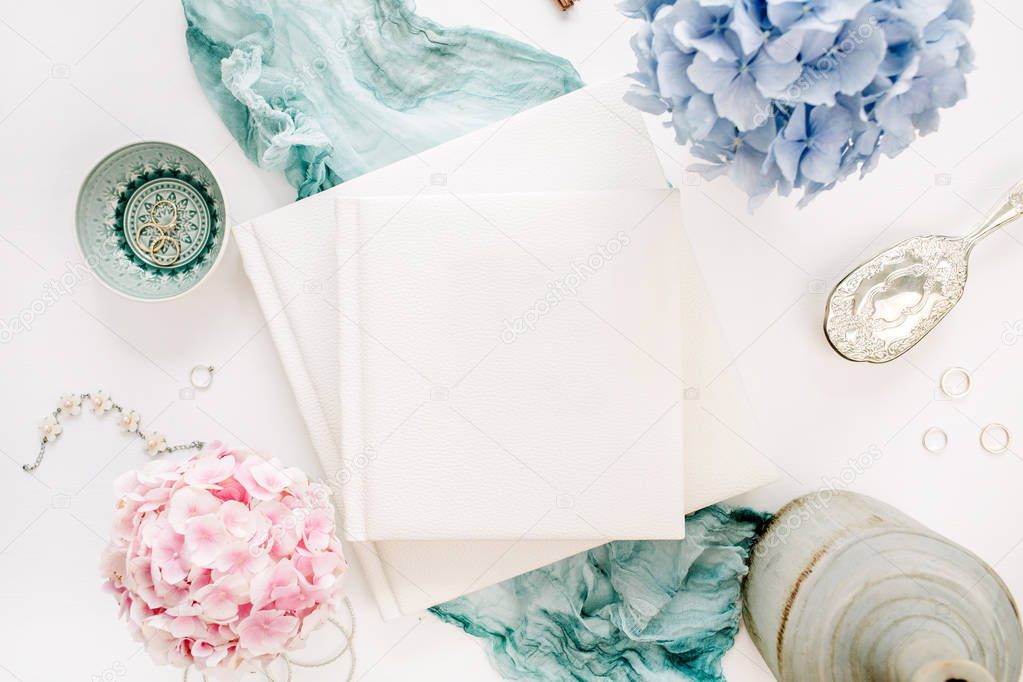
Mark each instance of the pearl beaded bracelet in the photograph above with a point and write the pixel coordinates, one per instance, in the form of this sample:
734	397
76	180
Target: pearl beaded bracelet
100	402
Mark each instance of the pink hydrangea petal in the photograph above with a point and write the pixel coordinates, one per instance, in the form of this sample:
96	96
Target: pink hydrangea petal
276	578
231	489
220	607
266	632
183	626
168	557
242	522
318	528
274	511
240	557
204	537
263	480
154	499
187	503
209	470
220	601
126	483
296	477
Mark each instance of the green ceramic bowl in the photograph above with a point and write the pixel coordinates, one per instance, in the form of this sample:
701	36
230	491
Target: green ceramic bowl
150	221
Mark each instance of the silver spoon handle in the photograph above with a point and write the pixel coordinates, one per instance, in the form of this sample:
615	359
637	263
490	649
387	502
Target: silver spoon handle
1009	210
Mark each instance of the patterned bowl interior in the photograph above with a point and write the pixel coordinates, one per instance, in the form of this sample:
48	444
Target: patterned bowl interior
150	220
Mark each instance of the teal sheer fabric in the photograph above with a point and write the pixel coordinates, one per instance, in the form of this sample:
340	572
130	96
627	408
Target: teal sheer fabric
326	90
628	610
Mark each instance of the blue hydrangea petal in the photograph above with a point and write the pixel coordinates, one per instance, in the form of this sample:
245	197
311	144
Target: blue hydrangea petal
946	38
645	93
784	13
672	81
786	47
844	72
663	38
640	9
741	102
702	29
835	11
644	100
895	140
762	137
829	126
709	75
774	77
821	164
866	142
813	14
701	115
961	10
947	88
816	44
680	125
797	127
899	55
854	107
748	173
646	60
811	191
722	138
747	30
921	12
787	154
927	121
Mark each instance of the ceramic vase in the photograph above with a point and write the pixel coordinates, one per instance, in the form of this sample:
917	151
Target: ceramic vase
845	588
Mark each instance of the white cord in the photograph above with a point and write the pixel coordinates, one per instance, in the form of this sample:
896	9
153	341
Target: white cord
348	648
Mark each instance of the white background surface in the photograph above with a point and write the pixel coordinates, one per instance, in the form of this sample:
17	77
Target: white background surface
83	78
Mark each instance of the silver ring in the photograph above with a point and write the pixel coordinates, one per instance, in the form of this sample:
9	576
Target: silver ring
935	440
948	389
999	446
201	376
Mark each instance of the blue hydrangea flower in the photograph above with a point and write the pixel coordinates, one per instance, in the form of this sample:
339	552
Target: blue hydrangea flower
798	94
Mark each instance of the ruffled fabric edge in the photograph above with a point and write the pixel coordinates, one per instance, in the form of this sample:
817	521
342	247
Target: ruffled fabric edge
279	135
665	610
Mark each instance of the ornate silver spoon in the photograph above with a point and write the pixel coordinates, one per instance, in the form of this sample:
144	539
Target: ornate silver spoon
887	305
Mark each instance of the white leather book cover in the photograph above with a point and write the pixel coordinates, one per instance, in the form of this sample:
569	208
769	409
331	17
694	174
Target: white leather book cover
588	140
514	363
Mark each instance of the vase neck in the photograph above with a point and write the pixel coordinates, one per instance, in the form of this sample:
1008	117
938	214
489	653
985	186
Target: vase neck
933	659
952	671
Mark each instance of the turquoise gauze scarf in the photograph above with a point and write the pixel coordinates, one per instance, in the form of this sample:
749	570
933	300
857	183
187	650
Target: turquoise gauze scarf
628	610
326	90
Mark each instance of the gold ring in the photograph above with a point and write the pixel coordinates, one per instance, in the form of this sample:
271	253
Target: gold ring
170	225
988	436
950	390
935	440
159	245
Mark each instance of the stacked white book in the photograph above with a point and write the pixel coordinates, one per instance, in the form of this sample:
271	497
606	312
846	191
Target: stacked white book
501	348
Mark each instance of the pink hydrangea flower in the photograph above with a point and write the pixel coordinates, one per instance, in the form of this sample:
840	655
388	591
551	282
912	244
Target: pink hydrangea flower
224	562
266	632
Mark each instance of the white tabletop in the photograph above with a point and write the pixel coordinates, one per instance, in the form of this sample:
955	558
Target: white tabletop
84	78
